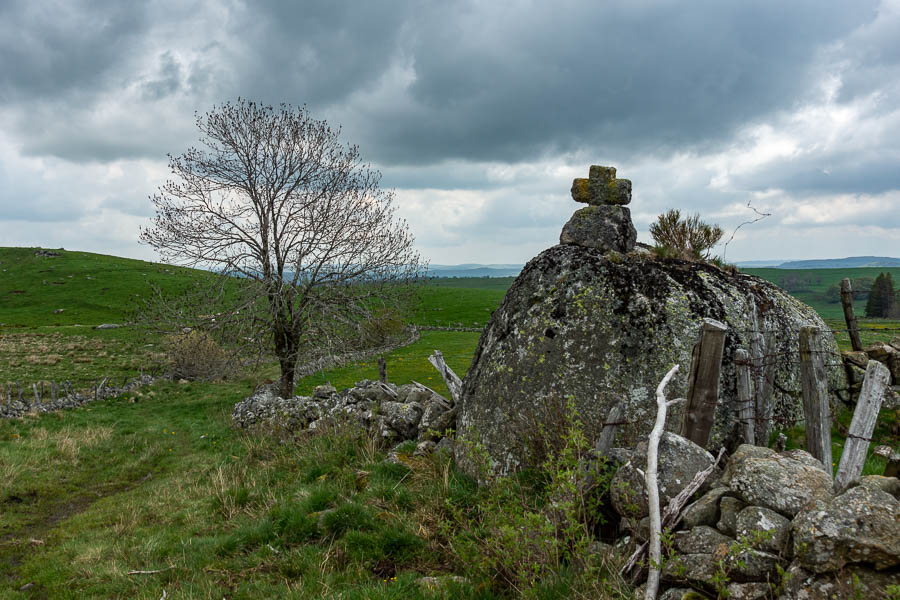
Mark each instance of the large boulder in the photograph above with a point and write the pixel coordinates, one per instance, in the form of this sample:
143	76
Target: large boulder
606	327
785	482
862	525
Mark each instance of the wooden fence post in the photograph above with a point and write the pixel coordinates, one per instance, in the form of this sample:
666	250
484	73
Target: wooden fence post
703	383
814	381
878	377
849	317
746	409
765	389
608	433
382	370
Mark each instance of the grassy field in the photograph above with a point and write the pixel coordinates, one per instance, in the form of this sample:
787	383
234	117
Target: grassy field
810	286
154	492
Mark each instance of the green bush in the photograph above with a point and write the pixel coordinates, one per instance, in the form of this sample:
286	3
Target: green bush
535	530
687	238
196	355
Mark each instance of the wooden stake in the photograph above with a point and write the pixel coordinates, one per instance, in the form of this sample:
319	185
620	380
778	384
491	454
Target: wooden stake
849	317
382	370
765	390
878	377
815	395
746	409
703	383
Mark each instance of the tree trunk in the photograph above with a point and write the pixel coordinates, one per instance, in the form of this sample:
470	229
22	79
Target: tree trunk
287	343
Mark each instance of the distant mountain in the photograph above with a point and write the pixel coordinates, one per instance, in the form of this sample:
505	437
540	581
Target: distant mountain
475	270
852	262
758	264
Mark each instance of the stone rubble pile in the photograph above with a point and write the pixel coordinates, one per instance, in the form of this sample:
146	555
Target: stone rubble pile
17	408
886	353
769	526
605	223
392	413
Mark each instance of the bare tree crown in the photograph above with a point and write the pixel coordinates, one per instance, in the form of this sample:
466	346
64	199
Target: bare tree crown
273	195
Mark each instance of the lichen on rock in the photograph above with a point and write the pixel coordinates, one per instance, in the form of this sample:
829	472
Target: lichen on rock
577	323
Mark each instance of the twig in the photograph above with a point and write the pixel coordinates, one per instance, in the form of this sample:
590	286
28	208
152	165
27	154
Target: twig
169	568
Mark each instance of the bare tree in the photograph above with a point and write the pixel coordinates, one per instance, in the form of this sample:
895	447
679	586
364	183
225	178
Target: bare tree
276	199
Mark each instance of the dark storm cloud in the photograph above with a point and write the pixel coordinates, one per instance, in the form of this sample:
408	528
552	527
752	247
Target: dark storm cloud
50	48
502	84
486	81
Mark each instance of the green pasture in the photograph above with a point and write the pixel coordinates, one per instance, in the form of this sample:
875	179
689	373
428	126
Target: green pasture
154	492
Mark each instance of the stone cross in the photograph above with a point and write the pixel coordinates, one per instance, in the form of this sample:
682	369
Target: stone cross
602	188
605	224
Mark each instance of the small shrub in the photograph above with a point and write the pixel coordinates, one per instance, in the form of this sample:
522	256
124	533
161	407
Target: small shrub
196	355
688	238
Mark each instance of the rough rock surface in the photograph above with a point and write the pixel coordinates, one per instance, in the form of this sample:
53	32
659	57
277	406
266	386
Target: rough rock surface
679	460
605	328
853	581
604	228
785	482
705	511
765	529
862	525
393	413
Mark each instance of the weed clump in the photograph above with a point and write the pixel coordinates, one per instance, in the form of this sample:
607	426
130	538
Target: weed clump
196	355
686	238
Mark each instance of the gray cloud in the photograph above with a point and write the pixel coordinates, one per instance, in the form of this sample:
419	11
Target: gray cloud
491	100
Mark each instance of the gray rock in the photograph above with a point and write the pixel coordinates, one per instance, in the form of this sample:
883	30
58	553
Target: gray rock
578	323
705	511
445	447
604	228
436	419
862	525
424	448
324	391
753	565
694	568
108	326
702	540
895	342
785	483
858	358
679	460
763	528
853	581
679	594
748	591
728	511
880	351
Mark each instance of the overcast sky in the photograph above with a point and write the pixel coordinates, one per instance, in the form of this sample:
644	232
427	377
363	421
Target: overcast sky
478	114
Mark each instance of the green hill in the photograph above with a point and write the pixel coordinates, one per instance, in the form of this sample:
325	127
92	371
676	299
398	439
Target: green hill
38	289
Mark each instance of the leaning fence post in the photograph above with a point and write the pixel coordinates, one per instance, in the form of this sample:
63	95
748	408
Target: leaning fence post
744	397
815	395
703	383
847	303
878	377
